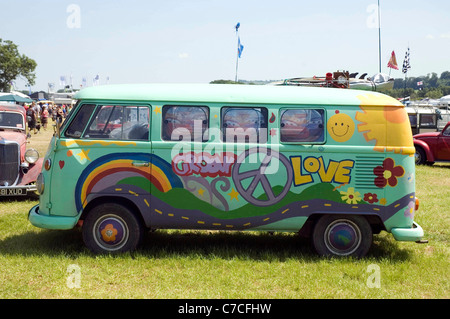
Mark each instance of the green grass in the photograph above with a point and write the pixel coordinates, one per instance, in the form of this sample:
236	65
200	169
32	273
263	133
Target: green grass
205	264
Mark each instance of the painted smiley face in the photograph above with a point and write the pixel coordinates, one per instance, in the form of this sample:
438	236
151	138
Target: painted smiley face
341	127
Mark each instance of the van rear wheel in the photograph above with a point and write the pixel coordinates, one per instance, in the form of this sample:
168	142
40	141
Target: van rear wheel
112	228
340	236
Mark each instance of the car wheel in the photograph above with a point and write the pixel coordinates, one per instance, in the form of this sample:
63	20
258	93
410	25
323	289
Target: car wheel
112	228
340	236
420	156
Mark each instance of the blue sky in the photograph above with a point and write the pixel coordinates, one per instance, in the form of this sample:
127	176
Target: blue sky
195	41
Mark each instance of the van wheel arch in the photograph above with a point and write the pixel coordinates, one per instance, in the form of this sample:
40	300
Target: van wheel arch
112	199
375	222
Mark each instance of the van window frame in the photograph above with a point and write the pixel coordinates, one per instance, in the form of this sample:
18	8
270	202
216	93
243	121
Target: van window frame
306	108
68	122
97	105
264	114
205	133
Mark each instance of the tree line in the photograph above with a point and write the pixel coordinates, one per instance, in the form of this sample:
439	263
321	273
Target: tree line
430	86
14	65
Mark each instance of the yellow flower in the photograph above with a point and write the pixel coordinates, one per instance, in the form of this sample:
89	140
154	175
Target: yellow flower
351	196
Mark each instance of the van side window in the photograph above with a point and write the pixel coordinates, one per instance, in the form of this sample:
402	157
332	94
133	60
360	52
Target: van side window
185	123
302	125
119	122
78	124
244	125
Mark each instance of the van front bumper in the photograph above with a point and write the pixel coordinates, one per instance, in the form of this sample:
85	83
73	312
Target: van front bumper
415	233
51	221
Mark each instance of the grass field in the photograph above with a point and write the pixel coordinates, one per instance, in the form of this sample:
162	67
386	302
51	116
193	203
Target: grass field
38	263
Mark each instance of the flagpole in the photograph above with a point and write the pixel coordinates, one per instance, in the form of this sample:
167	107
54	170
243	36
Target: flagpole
379	37
237	58
237	51
405	68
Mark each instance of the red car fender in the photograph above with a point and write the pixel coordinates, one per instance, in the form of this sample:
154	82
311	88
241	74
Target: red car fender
32	173
426	148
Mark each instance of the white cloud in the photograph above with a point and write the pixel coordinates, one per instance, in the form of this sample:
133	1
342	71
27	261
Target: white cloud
183	55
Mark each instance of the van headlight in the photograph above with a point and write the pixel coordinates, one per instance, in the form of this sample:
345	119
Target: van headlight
31	155
40	184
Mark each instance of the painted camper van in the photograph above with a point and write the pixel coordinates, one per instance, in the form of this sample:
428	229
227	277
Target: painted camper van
337	165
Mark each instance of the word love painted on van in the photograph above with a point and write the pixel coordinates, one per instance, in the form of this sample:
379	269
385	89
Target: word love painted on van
333	172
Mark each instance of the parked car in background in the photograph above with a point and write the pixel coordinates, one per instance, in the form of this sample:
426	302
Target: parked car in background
433	146
19	166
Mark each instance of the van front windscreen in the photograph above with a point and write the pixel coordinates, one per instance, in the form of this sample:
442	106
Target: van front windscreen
116	122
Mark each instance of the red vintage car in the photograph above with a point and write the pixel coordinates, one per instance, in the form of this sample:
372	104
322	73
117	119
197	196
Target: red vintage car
19	166
433	146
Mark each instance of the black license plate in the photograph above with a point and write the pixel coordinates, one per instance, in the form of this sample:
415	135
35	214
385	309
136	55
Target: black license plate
16	191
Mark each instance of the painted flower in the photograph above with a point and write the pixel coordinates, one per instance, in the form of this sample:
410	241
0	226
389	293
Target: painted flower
351	196
370	198
383	201
409	211
388	173
109	233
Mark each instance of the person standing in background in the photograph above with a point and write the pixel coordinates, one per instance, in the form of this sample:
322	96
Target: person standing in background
44	117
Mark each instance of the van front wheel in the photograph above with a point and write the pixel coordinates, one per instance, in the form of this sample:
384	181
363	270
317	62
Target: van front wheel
338	235
111	228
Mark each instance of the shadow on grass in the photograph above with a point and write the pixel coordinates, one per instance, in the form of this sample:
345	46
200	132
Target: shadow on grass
31	197
441	165
203	244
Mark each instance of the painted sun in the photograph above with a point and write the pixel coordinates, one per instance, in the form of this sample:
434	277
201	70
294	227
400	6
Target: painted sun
388	126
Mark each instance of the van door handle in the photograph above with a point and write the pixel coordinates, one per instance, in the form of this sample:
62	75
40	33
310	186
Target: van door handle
141	164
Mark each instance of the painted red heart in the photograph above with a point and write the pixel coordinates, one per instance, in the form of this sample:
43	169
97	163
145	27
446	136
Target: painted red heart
61	164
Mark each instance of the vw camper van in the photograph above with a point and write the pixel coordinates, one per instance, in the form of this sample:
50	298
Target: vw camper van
334	164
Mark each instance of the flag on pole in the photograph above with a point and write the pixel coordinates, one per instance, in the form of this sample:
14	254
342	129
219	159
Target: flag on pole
406	64
393	62
237	26
62	80
240	47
